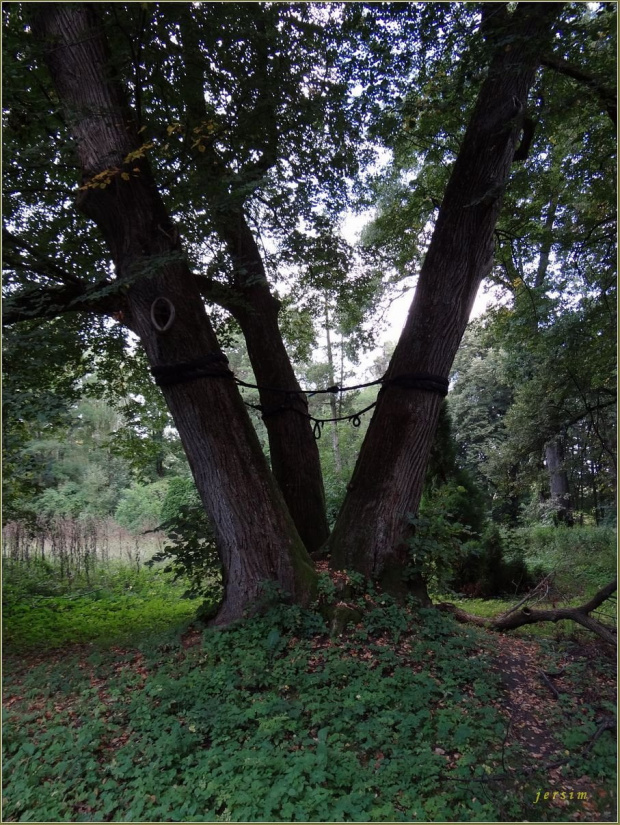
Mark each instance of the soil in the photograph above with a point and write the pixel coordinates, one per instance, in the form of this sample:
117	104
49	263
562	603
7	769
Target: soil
540	701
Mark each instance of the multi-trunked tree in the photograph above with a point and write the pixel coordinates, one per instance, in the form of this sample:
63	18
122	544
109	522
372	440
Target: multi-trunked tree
267	521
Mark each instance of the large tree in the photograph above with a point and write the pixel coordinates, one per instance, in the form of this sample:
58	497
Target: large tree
229	167
372	529
256	537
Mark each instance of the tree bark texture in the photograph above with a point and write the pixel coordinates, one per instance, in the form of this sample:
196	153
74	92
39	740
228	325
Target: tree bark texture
331	378
293	449
294	453
256	538
371	531
558	481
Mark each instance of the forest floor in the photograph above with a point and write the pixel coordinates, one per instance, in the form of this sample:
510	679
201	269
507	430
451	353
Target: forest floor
540	695
556	702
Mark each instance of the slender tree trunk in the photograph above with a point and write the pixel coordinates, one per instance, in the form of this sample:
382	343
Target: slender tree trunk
545	247
293	449
554	451
255	535
332	398
371	531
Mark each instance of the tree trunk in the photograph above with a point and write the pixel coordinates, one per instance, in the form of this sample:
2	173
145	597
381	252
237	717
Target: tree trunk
331	378
558	481
294	453
372	529
545	247
554	450
293	449
256	538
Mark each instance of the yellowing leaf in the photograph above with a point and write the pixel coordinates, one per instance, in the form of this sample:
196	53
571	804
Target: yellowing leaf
124	176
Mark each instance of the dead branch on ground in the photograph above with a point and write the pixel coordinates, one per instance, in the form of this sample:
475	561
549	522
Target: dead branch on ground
513	618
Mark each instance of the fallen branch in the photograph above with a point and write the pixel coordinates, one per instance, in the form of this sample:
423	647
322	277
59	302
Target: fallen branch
511	620
544	583
549	684
607	723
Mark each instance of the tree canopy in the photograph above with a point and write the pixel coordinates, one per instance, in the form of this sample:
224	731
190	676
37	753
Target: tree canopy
175	175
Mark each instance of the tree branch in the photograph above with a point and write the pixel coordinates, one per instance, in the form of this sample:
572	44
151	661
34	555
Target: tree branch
218	293
49	302
607	96
511	620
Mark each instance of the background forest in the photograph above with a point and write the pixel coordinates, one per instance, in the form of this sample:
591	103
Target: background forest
264	128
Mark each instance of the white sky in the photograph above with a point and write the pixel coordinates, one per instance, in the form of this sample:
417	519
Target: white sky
397	313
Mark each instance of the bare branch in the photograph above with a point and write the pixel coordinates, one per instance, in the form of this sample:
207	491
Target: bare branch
512	620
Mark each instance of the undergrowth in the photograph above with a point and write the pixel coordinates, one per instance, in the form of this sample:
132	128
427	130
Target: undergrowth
398	719
115	606
583	559
401	717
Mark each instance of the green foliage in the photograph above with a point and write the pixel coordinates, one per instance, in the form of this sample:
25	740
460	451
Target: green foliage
451	515
116	605
42	367
76	473
262	721
398	719
448	487
436	545
180	492
192	554
582	559
487	570
140	506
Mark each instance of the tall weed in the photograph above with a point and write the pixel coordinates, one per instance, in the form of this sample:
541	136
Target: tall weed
583	559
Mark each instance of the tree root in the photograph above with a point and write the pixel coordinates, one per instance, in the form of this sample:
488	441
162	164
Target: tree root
513	619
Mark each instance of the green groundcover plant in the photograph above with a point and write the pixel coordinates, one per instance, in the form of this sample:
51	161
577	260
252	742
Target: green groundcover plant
273	719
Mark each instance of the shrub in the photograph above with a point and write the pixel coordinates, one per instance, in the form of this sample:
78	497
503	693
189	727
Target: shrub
181	492
488	569
192	553
140	506
436	546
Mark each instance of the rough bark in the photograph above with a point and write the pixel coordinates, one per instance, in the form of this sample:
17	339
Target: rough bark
294	453
371	532
514	619
293	450
256	538
331	379
558	481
